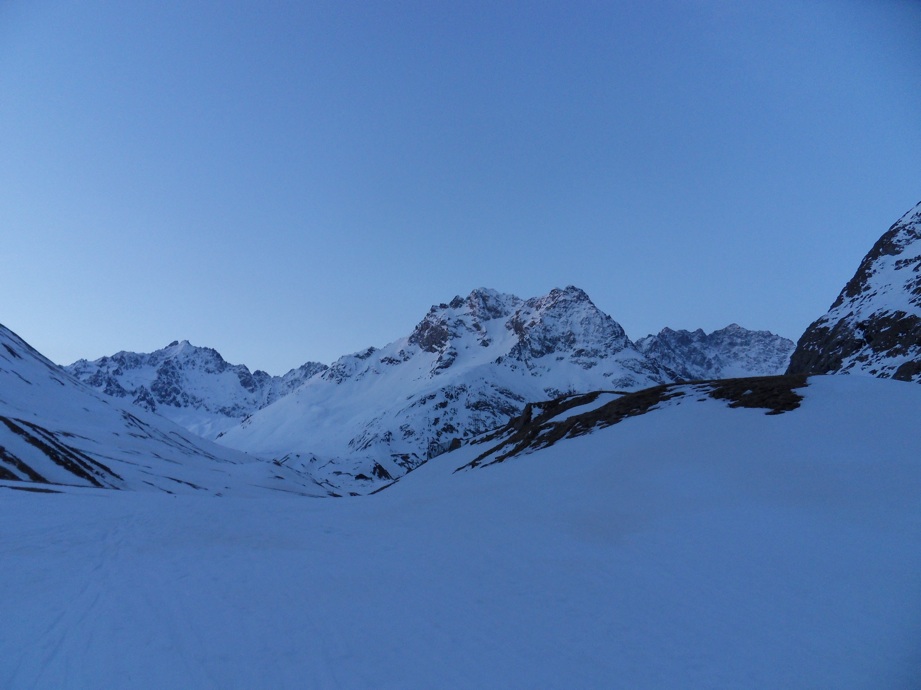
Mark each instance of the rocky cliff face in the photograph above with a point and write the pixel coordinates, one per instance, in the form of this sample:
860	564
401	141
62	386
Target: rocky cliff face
727	353
874	326
191	385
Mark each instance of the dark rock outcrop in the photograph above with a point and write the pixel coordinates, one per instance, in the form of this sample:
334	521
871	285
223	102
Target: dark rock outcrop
874	326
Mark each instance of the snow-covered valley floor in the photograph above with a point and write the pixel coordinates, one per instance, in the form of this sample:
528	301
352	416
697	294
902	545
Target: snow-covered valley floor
692	547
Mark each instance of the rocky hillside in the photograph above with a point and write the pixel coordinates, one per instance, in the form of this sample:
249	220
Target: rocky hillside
874	326
727	353
193	386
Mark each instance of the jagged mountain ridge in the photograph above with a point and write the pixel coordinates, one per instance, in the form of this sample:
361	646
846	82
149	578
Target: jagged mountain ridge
874	325
193	386
466	368
730	352
54	430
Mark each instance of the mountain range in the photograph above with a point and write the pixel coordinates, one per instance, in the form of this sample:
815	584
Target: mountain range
601	517
467	367
193	386
55	430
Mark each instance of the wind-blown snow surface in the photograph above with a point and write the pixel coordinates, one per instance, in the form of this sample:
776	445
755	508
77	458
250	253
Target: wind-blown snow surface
695	546
726	353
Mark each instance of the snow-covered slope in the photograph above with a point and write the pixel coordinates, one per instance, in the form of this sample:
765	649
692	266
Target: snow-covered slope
726	353
191	385
874	326
56	430
466	368
694	546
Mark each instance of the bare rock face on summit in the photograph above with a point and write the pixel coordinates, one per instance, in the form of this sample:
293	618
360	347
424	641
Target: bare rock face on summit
874	327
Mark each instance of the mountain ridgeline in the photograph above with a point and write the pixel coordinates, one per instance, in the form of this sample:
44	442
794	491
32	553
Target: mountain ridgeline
193	386
874	326
467	367
56	431
730	352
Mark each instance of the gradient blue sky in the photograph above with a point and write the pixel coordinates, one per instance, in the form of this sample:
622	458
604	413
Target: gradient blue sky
292	181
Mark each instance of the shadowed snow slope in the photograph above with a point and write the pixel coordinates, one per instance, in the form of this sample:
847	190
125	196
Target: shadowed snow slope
693	545
54	429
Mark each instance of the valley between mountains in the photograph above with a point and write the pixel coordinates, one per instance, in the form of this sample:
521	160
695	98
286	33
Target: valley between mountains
516	494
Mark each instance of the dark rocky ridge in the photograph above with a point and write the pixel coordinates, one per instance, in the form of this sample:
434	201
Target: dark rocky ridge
537	427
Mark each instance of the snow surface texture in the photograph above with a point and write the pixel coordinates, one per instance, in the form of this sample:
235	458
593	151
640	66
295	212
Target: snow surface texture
193	386
693	546
55	429
467	368
874	326
727	353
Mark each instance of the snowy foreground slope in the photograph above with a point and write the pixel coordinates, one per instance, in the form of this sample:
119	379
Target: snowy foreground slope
690	546
54	429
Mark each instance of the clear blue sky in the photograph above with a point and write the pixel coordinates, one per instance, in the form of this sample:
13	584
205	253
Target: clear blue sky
292	181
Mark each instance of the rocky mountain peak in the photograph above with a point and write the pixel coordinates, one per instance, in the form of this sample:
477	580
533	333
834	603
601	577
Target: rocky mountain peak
565	321
485	304
901	237
194	386
447	322
466	367
874	325
729	352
